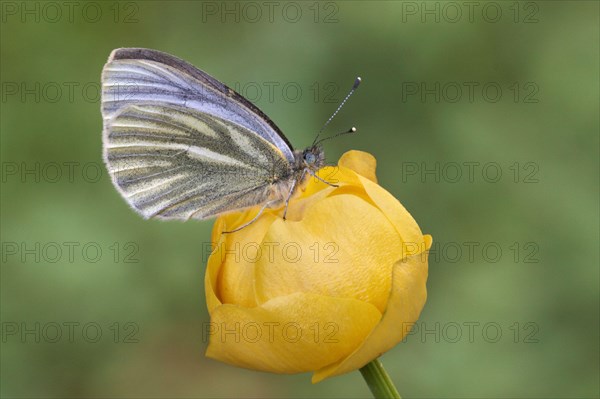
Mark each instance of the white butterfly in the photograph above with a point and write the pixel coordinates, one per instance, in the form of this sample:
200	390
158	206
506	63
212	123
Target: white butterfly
179	144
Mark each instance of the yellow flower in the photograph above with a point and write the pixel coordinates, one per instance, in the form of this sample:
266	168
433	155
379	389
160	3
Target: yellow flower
331	288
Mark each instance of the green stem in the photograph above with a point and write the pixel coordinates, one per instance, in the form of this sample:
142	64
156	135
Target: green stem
379	381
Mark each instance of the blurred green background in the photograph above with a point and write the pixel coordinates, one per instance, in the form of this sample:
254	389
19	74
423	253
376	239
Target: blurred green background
513	282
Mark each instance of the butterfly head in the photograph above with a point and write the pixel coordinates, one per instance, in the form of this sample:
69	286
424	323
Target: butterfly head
313	158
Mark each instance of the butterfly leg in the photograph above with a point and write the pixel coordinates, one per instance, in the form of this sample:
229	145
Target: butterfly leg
287	200
318	178
253	219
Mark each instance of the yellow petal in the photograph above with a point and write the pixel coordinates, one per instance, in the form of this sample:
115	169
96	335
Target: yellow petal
292	334
298	206
330	174
344	247
212	272
361	162
405	224
315	190
406	301
237	257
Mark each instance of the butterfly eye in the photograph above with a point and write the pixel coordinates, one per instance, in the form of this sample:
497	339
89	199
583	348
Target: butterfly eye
310	158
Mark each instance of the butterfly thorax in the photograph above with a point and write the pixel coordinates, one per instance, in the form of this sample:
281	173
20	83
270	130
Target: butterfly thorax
306	163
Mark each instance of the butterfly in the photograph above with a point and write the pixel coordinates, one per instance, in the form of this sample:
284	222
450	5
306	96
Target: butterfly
179	144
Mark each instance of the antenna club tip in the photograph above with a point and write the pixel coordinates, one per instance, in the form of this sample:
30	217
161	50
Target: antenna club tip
357	82
353	129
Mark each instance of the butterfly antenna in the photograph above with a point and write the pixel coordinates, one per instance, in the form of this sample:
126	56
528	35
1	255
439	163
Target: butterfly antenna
351	130
354	87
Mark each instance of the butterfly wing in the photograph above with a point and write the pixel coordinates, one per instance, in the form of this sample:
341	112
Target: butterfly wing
175	162
141	76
